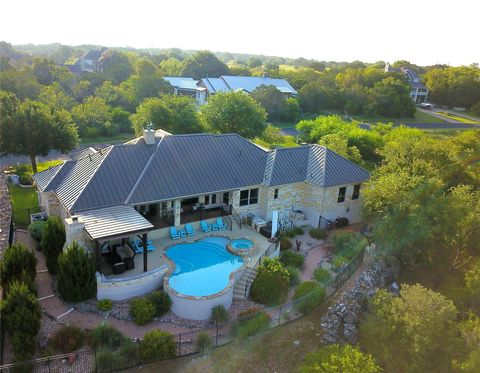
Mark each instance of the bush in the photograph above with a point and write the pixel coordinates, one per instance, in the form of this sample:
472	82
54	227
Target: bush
319	234
310	301
322	275
25	179
295	231
305	288
204	342
162	302
18	264
348	244
104	305
294	275
271	283
339	261
219	314
157	345
105	335
68	339
142	310
52	242
291	259
285	242
21	169
249	312
36	230
76	280
256	324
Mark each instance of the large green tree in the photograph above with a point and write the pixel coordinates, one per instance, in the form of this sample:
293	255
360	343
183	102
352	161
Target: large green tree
272	100
391	98
32	128
93	117
116	66
52	242
204	64
234	112
18	264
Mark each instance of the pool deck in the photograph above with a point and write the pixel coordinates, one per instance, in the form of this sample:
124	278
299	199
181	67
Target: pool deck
157	260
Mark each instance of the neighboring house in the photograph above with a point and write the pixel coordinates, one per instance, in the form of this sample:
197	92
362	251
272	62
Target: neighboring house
419	92
88	63
185	86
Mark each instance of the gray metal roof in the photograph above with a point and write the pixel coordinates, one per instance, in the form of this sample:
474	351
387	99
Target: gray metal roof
227	83
43	178
113	221
289	165
79	154
176	81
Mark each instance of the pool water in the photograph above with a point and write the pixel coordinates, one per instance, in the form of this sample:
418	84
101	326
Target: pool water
241	244
203	267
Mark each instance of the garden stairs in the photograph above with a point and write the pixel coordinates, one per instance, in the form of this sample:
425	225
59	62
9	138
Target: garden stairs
242	286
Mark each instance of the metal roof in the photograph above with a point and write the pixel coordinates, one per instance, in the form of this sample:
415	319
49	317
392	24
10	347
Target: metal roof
175	81
113	221
289	165
249	83
215	85
43	178
82	153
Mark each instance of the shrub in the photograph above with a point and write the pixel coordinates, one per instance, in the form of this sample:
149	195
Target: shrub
68	339
204	342
104	305
25	179
18	264
105	335
291	259
22	314
142	310
339	261
311	300
249	312
319	234
157	345
348	244
76	280
162	302
295	231
219	314
294	275
256	324
21	169
52	242
285	243
305	288
105	360
36	230
322	275
271	283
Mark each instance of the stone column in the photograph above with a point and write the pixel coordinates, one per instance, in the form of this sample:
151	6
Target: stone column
176	210
235	199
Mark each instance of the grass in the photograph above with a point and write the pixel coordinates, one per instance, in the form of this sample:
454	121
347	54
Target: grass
420	117
106	139
22	199
456	117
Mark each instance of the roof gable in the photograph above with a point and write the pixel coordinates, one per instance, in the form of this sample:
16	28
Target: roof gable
249	83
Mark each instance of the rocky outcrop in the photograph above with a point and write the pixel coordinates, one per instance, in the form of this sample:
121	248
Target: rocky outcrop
341	321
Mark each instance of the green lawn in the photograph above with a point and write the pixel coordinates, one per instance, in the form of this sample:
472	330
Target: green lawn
420	117
456	116
24	202
106	139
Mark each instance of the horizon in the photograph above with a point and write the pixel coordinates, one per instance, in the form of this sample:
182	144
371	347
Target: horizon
367	32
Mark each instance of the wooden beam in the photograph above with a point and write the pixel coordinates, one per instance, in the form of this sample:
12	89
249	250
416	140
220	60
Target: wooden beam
145	251
99	255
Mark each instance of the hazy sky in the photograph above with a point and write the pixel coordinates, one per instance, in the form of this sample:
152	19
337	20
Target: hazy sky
422	31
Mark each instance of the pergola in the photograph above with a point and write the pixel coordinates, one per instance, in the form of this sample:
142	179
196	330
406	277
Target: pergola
118	222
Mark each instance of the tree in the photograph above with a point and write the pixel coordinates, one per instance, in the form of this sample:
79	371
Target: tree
254	62
18	264
170	67
315	97
157	345
470	341
76	281
416	329
234	112
271	99
219	314
115	96
204	64
35	129
271	283
52	242
338	142
22	315
116	66
176	114
55	97
93	117
472	284
22	83
391	98
44	70
339	359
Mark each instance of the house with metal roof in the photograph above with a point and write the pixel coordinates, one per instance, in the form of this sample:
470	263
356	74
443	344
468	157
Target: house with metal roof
185	86
419	91
159	180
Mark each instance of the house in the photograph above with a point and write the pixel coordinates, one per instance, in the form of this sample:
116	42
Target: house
419	92
143	187
185	86
88	63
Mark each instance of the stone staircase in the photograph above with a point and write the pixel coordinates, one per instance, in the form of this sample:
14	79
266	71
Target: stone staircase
239	288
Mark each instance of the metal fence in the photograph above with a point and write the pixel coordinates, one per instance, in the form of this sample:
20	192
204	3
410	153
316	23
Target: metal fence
130	355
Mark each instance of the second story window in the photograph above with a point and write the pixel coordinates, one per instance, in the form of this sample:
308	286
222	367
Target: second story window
341	194
248	197
356	191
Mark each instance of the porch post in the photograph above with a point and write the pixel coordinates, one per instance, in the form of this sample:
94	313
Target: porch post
176	211
235	199
98	255
145	251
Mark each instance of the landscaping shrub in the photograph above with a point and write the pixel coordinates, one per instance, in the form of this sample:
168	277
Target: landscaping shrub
21	314
256	324
291	259
311	300
76	280
322	275
219	314
52	242
319	234
348	244
295	231
271	283
249	312
18	264
204	342
25	179
142	310
157	345
339	261
21	169
104	305
105	360
162	302
68	339
285	242
294	275
36	230
105	335
305	288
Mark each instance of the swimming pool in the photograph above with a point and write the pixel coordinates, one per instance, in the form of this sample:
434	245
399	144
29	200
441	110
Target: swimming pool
241	244
202	268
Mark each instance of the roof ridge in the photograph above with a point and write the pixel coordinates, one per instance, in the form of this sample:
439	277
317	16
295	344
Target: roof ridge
50	169
92	176
269	167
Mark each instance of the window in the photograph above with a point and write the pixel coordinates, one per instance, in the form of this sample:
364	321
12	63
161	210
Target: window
214	199
356	191
248	197
275	194
207	200
226	198
341	194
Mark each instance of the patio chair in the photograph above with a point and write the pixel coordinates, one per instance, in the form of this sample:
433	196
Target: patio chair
138	246
174	234
205	227
221	225
190	230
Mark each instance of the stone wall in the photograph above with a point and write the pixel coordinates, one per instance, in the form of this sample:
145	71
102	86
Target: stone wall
5	213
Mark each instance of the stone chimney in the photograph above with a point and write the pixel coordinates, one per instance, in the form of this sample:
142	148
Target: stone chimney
149	135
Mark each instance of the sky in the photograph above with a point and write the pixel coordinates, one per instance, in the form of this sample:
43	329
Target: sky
424	32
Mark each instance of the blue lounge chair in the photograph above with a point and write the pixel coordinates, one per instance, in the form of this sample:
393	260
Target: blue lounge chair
174	234
138	246
190	230
205	227
221	225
